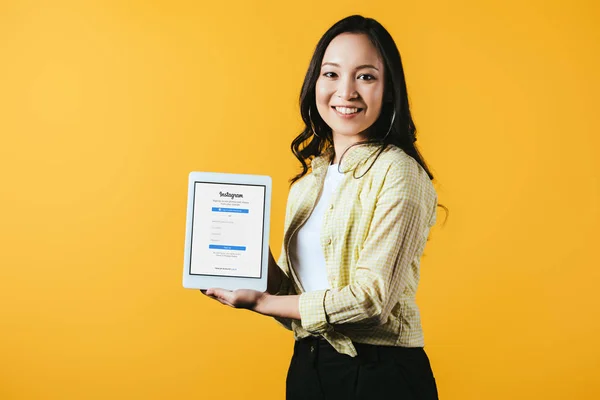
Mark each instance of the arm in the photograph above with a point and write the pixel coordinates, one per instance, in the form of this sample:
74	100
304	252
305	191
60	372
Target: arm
267	303
279	306
275	301
397	229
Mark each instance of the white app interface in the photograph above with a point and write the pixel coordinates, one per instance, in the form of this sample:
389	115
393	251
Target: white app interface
227	230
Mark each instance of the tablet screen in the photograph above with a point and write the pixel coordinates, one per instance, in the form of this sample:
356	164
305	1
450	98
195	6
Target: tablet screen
227	229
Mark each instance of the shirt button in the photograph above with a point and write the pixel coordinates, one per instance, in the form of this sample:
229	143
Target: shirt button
331	206
329	241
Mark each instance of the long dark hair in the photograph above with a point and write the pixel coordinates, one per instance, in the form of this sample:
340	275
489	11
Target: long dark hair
402	132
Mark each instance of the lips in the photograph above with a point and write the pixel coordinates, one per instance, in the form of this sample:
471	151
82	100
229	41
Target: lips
346	112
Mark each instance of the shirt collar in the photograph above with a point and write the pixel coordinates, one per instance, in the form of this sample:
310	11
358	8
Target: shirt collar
353	156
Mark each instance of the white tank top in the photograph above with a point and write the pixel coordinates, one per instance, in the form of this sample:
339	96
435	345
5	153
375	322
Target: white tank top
306	253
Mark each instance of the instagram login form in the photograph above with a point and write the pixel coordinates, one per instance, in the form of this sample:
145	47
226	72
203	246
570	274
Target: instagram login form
227	229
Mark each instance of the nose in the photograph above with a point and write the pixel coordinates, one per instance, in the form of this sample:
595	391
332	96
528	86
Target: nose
346	88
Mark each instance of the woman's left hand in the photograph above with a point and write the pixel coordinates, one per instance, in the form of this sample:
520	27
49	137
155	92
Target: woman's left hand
240	298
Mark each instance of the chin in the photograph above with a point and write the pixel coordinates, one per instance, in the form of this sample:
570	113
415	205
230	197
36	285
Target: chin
348	132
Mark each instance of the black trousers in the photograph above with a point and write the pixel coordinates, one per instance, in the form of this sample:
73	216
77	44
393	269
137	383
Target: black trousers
318	372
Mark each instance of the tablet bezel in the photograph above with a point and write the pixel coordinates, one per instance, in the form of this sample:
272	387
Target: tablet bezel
227	282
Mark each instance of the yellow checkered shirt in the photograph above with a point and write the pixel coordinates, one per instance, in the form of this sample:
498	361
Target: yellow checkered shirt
373	235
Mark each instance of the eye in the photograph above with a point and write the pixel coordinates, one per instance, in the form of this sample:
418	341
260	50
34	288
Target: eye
329	74
367	77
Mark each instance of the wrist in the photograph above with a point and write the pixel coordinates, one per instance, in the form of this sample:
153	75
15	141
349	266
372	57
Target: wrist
262	303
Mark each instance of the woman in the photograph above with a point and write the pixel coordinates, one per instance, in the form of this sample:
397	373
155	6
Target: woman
356	226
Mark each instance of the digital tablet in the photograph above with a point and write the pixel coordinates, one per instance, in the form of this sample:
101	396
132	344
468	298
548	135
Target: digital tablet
227	231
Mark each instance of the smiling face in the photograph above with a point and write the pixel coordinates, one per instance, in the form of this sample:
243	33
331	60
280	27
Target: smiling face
349	91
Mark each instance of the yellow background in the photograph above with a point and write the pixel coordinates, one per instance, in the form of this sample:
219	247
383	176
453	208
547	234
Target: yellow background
105	107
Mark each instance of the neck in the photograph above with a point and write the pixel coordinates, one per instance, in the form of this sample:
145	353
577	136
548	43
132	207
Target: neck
340	144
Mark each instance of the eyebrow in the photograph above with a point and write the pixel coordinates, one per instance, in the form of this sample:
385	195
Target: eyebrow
359	67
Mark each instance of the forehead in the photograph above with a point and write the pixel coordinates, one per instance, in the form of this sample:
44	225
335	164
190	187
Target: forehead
352	49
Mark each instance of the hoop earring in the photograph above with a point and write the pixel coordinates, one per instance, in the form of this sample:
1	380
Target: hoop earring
312	125
391	125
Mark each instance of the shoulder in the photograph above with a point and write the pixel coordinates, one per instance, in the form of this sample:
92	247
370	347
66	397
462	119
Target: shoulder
400	173
300	185
299	188
396	162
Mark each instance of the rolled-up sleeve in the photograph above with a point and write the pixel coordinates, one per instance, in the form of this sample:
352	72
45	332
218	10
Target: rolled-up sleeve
399	223
312	311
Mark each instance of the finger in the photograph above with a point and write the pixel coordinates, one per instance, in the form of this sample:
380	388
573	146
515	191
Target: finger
223	294
227	303
207	293
222	301
211	292
213	297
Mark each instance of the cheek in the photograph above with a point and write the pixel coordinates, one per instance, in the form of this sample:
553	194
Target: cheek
322	92
376	99
322	97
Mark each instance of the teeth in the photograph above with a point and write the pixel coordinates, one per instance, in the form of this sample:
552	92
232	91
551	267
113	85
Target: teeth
346	110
